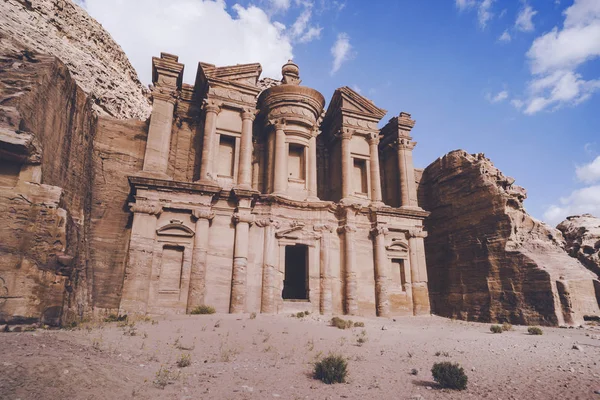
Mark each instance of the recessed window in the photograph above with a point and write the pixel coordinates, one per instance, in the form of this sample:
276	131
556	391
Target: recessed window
226	156
296	165
398	273
360	177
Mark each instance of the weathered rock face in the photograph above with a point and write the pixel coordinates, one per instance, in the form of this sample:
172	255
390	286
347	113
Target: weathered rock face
487	259
47	128
582	233
96	62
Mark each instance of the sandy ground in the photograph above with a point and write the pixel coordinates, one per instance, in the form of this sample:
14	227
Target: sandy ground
237	357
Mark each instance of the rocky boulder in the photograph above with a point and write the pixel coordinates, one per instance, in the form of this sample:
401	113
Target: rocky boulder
97	63
490	261
582	233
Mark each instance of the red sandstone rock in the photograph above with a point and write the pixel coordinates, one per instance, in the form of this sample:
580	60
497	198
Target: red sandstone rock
487	259
582	233
96	62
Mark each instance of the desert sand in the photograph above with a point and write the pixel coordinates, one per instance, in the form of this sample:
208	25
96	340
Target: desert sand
262	357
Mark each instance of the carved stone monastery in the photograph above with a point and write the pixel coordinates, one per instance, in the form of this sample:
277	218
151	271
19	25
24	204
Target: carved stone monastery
279	205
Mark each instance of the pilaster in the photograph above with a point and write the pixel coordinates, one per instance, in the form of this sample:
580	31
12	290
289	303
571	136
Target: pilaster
326	299
211	111
381	271
346	137
280	178
199	255
418	271
269	286
242	220
373	140
245	166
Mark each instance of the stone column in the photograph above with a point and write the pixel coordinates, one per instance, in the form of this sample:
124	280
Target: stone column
270	248
418	272
280	177
245	167
136	285
211	110
351	293
326	300
312	167
381	271
346	136
406	173
242	221
199	254
158	144
375	171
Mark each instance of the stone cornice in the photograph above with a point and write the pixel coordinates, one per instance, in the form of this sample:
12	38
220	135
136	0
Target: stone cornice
143	206
137	182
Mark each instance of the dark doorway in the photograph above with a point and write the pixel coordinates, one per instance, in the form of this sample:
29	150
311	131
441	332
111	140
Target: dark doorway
295	283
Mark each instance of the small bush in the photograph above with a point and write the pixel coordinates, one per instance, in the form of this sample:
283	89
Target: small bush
450	376
203	310
507	327
534	330
341	323
331	369
359	324
184	360
300	314
253	315
496	329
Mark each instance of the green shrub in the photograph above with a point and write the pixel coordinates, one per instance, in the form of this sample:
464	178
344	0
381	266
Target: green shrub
359	324
203	310
115	318
184	360
300	314
341	323
450	376
534	330
496	329
331	369
507	327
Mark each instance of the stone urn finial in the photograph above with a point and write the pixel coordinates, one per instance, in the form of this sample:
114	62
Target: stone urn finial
291	73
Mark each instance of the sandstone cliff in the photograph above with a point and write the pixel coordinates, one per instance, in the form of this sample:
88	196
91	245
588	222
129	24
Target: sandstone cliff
582	233
487	259
47	128
96	62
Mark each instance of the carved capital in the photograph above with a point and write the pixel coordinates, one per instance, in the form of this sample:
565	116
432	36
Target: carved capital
405	144
373	138
146	207
268	222
346	229
203	214
277	124
164	94
212	106
416	233
248	113
243	217
379	230
323	228
346	134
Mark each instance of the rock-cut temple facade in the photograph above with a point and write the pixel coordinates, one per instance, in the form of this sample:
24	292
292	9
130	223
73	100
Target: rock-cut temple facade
274	203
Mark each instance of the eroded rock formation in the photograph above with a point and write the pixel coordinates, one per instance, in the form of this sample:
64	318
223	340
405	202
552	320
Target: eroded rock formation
582	233
487	259
96	62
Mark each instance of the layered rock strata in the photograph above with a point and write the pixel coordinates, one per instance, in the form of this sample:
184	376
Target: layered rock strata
96	62
582	233
487	259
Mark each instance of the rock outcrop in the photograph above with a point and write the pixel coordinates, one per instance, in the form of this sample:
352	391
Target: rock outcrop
47	128
582	233
96	62
487	259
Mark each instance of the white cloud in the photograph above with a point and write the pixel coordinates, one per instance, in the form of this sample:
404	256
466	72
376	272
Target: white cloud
341	51
501	96
580	201
518	104
312	33
279	5
464	4
524	22
483	12
505	37
301	30
356	88
589	173
484	15
555	56
196	30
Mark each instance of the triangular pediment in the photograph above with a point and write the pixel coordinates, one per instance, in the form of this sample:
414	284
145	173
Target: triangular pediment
242	73
352	101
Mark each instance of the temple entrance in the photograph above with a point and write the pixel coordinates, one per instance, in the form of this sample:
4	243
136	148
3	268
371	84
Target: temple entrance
295	283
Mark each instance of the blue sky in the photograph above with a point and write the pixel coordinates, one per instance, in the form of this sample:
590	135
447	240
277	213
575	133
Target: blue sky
518	81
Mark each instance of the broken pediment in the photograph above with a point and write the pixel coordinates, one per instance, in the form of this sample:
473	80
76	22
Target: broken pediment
175	228
247	74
